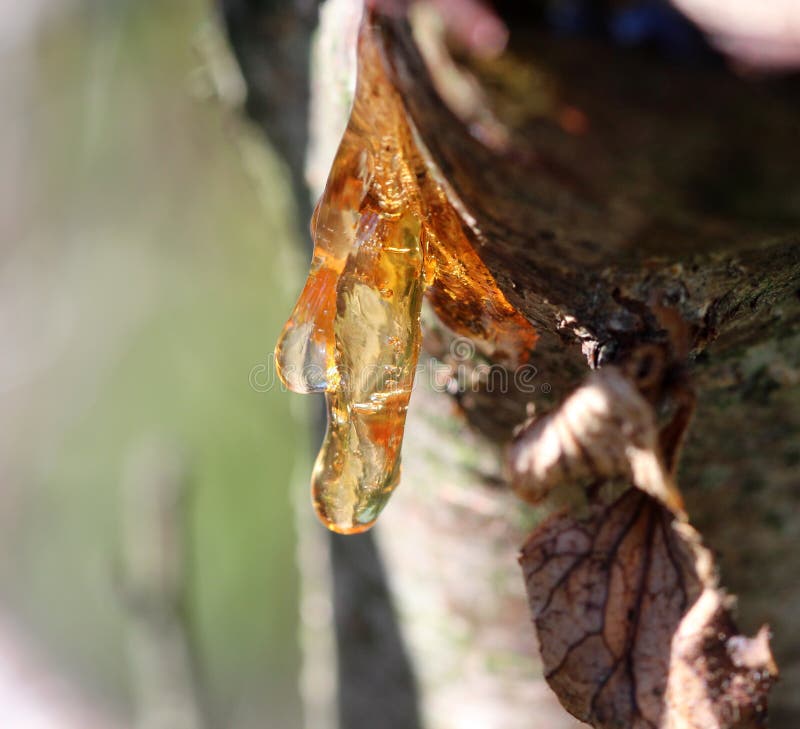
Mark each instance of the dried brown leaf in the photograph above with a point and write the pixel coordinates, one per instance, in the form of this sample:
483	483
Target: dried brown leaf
604	430
634	633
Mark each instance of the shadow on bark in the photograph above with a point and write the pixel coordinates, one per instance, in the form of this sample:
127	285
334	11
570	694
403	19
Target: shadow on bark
376	676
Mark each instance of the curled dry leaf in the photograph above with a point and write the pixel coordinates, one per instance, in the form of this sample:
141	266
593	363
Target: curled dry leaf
633	630
604	430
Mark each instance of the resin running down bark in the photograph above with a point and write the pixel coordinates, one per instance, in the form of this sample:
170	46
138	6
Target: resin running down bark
354	333
383	232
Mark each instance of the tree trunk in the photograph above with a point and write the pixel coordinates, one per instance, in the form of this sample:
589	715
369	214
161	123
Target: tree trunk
620	201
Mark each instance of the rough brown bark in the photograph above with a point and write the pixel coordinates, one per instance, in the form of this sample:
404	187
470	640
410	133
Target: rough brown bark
630	202
662	215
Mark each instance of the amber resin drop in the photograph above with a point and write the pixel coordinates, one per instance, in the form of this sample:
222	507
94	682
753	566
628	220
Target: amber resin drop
354	332
383	231
376	333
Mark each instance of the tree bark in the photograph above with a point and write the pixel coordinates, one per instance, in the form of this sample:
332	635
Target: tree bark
661	204
619	200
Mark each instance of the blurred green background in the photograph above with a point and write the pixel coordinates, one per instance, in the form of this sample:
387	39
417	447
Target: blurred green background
145	270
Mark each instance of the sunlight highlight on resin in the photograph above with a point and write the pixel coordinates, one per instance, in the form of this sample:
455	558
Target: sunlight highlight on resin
383	232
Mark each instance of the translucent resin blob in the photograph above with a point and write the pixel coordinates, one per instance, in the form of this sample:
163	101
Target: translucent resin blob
383	232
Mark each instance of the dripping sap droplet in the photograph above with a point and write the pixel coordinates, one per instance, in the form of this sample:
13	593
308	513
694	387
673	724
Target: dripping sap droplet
354	333
383	231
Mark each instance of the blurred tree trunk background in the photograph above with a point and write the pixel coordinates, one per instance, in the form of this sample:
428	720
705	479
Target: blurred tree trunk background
132	284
